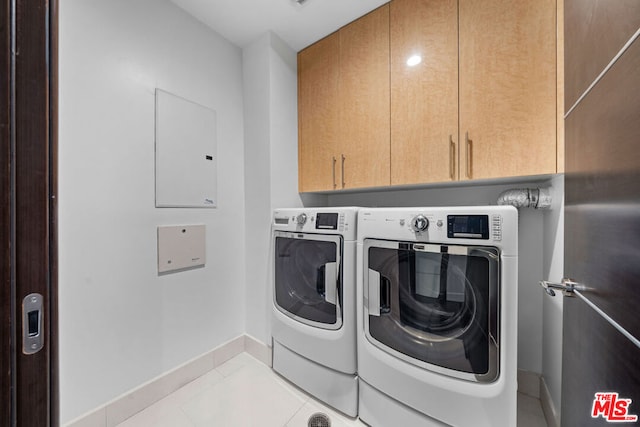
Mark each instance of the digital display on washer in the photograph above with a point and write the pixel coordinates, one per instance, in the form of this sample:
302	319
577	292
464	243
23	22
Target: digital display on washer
468	227
282	221
327	221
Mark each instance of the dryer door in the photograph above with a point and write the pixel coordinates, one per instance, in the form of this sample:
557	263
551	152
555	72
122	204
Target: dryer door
308	278
434	306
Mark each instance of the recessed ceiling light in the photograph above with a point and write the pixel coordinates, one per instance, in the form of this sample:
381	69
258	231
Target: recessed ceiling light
300	2
414	60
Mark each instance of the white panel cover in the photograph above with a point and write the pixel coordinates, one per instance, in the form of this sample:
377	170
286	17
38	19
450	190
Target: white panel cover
186	171
180	247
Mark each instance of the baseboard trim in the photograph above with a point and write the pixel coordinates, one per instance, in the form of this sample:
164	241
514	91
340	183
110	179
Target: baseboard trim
529	383
259	350
145	395
548	407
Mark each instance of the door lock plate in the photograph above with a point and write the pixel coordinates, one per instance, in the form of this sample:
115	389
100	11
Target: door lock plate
32	324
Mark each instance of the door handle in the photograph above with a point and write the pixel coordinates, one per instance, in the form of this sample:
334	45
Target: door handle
334	173
32	324
469	143
567	286
379	303
331	282
343	159
452	157
571	288
374	293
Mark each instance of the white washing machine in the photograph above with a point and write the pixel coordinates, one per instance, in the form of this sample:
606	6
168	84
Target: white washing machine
437	316
314	313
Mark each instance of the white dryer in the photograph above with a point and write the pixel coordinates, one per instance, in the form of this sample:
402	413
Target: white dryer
314	313
437	316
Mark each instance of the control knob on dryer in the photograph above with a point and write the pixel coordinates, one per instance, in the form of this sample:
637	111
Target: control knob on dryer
301	219
419	223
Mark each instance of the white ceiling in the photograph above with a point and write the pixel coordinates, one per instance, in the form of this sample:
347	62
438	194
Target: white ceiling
244	21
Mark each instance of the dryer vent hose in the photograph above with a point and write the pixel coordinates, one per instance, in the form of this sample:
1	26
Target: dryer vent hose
537	198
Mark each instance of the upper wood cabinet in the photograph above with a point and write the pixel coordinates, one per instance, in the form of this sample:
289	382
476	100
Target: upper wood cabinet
364	101
318	115
424	96
481	104
507	87
343	107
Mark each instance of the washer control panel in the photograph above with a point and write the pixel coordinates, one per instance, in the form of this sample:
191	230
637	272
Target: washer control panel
456	225
468	227
419	223
316	220
301	219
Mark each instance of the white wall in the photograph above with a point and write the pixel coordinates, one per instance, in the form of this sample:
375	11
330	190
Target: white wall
532	247
271	159
552	307
256	75
120	323
284	124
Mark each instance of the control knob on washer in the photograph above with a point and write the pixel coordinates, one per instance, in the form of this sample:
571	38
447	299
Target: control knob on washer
419	223
301	219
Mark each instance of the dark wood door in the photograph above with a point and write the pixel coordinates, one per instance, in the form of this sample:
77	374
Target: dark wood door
602	214
28	244
5	214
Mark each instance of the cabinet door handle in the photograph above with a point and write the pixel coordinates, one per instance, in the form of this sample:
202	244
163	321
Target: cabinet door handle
343	159
452	157
469	143
334	173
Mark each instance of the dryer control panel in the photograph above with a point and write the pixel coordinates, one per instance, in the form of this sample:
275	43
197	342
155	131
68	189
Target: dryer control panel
328	221
317	220
474	225
468	227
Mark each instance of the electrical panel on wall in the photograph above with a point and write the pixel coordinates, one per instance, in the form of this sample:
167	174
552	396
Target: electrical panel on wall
186	163
181	247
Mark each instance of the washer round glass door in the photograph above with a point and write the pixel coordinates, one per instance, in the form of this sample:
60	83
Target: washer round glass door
307	278
434	306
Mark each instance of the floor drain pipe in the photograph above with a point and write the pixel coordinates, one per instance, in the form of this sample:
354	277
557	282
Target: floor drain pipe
537	198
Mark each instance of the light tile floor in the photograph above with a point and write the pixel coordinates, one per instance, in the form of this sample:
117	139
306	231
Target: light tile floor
244	392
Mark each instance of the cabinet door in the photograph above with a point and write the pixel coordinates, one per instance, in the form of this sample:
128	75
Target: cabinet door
507	88
424	97
364	101
318	71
